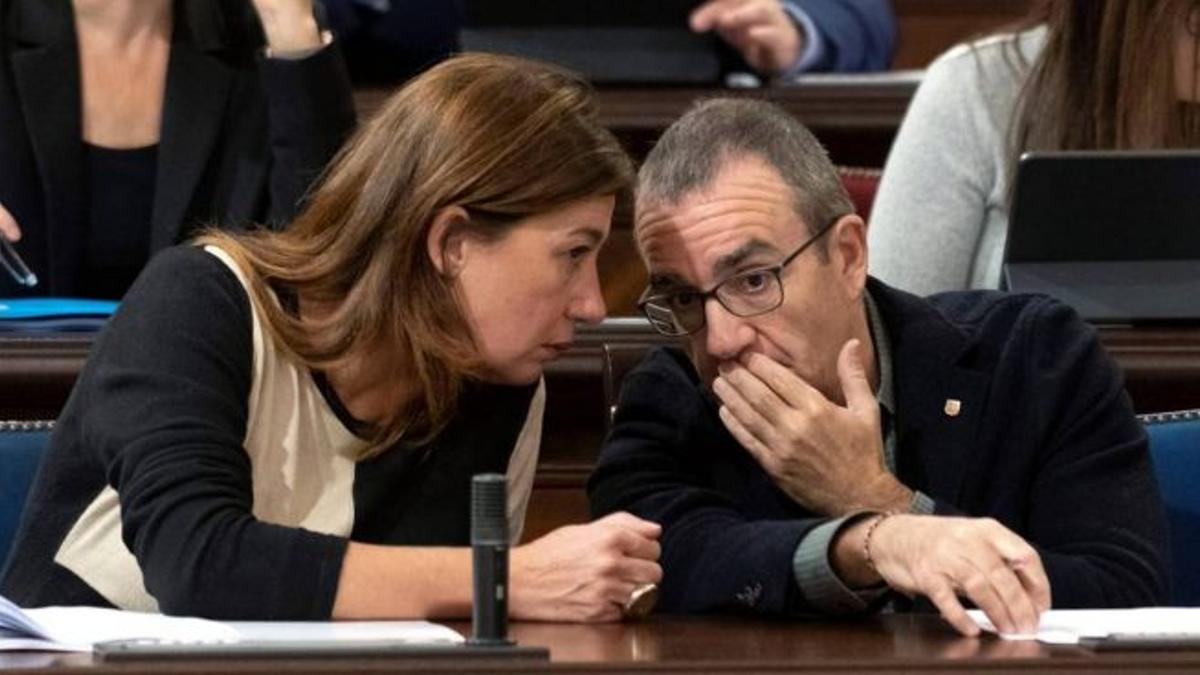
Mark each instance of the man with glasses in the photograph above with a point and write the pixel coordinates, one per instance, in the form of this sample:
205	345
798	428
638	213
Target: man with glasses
836	446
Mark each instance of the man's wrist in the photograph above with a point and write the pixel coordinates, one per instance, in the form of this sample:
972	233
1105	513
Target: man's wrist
847	553
812	43
885	494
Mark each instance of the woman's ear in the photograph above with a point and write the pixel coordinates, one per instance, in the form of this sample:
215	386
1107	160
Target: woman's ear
447	240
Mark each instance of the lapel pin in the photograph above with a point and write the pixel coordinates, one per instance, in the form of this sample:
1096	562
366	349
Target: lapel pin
953	407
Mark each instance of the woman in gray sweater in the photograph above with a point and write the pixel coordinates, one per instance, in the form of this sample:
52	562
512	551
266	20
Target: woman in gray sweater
1084	74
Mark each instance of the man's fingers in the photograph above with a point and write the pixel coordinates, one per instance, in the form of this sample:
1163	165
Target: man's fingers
853	374
771	46
704	18
1020	604
744	16
979	589
1025	562
1033	577
747	440
787	385
1001	570
753	402
943	597
8	225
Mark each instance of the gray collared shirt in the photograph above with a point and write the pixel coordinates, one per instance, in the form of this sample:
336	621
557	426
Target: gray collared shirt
814	574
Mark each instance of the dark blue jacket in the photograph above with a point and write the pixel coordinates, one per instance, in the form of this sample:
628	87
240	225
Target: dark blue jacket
1046	443
859	34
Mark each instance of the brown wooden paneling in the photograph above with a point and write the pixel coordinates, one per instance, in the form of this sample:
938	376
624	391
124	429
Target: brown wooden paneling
855	116
929	27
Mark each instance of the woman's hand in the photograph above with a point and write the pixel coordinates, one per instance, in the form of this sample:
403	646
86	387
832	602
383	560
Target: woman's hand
289	25
584	572
8	225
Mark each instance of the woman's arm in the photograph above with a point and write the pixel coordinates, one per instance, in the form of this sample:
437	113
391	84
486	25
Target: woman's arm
310	103
163	407
575	573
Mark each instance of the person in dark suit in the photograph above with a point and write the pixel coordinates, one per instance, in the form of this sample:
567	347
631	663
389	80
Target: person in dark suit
784	38
127	125
835	445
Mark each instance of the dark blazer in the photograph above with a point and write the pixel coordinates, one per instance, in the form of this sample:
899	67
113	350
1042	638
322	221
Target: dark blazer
242	136
859	34
1046	443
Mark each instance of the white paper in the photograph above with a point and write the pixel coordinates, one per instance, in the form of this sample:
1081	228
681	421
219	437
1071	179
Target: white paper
1067	626
78	628
416	632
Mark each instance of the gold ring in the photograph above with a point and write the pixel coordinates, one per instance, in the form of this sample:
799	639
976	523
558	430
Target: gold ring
641	602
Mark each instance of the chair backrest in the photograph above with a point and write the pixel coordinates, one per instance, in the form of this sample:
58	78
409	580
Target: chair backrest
1175	448
620	358
22	445
861	184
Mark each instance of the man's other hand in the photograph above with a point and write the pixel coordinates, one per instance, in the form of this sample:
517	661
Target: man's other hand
827	457
767	37
945	559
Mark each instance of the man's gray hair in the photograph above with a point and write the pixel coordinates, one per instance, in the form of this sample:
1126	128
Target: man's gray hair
693	150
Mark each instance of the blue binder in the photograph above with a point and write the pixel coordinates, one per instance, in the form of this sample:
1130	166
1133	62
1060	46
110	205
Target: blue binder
54	315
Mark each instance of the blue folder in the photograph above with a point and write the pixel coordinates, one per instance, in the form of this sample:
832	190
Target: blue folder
54	315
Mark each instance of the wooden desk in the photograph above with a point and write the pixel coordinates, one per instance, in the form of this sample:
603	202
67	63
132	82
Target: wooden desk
897	643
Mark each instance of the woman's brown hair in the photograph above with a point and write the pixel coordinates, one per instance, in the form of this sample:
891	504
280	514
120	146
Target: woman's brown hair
1106	78
503	138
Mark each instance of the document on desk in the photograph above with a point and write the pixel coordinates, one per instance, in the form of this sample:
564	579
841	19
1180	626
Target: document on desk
76	629
1070	626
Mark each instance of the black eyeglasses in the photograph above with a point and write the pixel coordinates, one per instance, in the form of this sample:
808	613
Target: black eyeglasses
746	294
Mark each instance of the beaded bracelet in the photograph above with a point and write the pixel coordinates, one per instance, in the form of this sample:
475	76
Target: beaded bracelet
871	531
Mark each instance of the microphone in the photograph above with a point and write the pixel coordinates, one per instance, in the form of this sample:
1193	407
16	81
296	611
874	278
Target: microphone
489	560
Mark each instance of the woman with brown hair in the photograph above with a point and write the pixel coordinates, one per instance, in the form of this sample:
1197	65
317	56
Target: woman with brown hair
1084	75
285	424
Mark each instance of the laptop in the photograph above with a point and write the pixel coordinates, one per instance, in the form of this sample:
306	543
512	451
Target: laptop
609	42
1115	234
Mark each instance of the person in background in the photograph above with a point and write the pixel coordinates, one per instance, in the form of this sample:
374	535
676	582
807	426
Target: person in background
1086	75
128	124
785	38
830	445
284	424
391	40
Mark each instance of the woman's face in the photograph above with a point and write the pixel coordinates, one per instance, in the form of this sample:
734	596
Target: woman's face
524	293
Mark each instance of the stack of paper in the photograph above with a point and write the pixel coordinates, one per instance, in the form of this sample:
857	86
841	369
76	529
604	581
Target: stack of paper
1069	626
76	629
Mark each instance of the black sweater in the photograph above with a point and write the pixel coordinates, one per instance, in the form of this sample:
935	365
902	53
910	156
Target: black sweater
160	414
